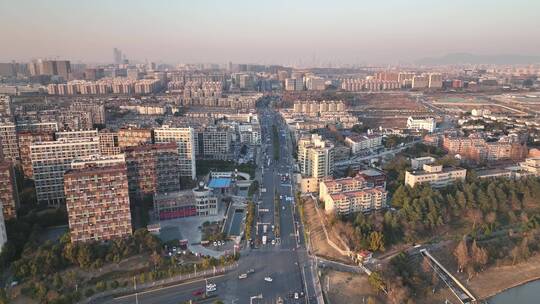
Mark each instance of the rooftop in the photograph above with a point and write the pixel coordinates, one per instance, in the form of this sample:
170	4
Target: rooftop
220	182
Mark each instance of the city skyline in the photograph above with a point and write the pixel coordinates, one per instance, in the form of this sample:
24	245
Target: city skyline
299	33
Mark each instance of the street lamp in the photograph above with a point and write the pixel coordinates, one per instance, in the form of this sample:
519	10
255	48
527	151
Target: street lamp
255	297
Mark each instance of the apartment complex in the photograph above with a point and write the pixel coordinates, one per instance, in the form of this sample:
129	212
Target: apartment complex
51	159
435	175
312	107
477	149
97	203
185	141
9	198
152	168
359	143
351	194
421	123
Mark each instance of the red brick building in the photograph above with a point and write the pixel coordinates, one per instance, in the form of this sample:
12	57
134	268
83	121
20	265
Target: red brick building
153	168
8	190
97	201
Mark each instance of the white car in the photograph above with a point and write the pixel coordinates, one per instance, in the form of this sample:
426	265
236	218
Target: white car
273	242
211	287
242	276
268	279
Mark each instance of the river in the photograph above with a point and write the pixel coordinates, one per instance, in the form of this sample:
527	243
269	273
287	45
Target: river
523	294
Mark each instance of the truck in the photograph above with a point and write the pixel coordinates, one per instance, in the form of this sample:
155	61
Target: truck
264	240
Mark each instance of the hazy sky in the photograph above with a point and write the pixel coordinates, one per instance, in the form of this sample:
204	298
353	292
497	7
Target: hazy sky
270	31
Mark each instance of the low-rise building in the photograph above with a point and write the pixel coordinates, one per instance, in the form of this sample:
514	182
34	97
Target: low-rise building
531	165
435	175
356	201
421	123
200	201
359	143
419	162
351	194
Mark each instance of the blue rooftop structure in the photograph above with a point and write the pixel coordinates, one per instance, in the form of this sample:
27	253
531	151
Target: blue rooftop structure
220	182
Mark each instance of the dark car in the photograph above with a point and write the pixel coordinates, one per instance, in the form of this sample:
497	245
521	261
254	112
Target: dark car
198	292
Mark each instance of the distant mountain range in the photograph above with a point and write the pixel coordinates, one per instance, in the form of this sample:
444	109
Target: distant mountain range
466	58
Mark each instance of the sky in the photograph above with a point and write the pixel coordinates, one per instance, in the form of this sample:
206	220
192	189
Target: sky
267	32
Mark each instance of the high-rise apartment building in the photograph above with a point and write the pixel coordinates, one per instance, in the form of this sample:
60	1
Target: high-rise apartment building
435	81
26	139
108	142
9	198
3	232
51	159
8	137
97	203
117	56
214	143
97	111
185	139
131	137
51	67
152	168
315	157
6	113
420	82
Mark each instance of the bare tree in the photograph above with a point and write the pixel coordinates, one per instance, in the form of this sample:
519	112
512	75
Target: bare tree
479	255
462	255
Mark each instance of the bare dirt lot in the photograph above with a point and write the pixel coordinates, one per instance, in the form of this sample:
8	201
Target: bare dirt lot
317	237
388	102
343	287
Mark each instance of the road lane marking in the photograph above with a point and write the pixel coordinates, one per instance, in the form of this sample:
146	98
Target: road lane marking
167	287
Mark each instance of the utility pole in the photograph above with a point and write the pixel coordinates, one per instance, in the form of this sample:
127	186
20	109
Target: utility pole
135	288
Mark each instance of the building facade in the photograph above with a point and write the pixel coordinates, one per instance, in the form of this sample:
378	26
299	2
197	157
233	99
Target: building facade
435	175
421	123
131	137
51	159
359	143
8	138
26	139
8	190
350	195
97	203
152	168
185	140
315	157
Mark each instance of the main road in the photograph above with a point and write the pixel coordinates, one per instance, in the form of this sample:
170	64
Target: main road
284	257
